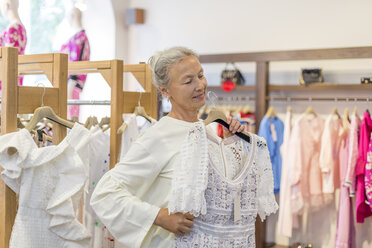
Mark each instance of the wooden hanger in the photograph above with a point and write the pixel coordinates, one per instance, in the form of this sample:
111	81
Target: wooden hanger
46	112
122	128
140	111
355	111
335	112
346	120
218	116
289	109
90	122
310	111
105	121
270	113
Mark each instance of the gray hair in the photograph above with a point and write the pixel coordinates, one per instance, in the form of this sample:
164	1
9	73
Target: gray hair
162	61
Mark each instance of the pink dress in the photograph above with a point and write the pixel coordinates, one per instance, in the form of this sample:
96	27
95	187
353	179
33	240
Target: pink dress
304	170
345	234
14	36
78	49
362	208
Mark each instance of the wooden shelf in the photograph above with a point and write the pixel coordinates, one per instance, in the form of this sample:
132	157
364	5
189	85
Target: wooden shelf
320	87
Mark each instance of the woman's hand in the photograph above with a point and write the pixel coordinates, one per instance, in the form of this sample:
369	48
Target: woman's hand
177	223
235	126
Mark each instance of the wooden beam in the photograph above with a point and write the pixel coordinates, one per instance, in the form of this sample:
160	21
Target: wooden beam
8	76
290	55
321	87
81	65
134	68
262	83
116	109
131	101
60	82
29	98
36	58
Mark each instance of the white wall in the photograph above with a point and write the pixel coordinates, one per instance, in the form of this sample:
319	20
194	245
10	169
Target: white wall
221	26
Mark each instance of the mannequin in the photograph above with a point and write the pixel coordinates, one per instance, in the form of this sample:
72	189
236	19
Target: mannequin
78	49
15	34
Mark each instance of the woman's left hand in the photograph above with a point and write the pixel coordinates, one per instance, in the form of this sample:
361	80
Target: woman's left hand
235	126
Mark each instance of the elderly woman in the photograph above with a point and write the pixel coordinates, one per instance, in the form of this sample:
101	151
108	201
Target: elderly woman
179	182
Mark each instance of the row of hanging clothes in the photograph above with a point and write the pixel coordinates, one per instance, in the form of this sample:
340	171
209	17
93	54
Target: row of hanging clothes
55	182
311	158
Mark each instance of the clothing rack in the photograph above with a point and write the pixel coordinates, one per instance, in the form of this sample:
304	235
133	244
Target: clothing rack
121	101
262	88
24	100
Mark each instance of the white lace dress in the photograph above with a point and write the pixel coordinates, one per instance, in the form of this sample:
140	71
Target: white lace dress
234	198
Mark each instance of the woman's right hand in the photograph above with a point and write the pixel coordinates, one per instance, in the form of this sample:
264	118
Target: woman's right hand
177	223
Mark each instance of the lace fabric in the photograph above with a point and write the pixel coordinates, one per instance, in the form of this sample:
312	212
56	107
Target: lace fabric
224	224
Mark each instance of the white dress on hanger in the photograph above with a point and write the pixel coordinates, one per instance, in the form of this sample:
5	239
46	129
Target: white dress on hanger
50	183
240	186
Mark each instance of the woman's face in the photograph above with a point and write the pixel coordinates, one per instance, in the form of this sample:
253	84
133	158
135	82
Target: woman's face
187	86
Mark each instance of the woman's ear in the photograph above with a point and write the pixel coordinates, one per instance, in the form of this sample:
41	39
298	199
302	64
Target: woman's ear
164	91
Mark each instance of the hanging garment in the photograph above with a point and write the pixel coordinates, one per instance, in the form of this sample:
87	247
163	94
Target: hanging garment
272	129
14	36
368	175
362	208
329	155
285	213
350	180
305	174
232	200
345	233
99	164
50	183
78	49
135	126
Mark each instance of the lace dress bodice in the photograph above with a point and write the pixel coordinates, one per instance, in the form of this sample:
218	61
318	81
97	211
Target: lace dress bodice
233	202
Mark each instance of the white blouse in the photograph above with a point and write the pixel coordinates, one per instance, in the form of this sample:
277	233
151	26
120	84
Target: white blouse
50	183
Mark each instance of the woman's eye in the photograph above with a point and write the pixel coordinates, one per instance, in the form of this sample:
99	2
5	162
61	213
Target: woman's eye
188	82
201	76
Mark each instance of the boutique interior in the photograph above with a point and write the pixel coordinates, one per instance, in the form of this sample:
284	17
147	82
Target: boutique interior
296	73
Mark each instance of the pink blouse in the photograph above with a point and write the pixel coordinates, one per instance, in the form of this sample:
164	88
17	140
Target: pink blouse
362	208
305	174
368	174
14	36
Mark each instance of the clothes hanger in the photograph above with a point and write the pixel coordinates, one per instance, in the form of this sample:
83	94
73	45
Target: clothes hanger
105	121
346	120
219	117
46	112
335	112
90	122
270	113
310	111
140	111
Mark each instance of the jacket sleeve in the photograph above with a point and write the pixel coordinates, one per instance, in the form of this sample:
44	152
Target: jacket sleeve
116	198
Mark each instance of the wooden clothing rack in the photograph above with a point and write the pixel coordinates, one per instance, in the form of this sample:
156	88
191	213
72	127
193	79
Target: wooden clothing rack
121	101
24	100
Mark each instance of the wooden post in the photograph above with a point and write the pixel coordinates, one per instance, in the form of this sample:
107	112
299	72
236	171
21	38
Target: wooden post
262	84
60	81
9	105
117	98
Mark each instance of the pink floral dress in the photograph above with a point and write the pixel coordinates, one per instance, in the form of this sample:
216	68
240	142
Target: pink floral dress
14	36
78	49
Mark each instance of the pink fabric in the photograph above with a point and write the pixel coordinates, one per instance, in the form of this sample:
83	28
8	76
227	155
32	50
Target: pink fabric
368	174
305	173
350	180
14	36
362	208
74	48
329	154
345	232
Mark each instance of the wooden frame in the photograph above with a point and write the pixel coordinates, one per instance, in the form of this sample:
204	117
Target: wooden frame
262	88
23	100
121	101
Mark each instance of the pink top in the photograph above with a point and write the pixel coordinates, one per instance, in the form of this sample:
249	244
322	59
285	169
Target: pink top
14	36
305	173
75	53
368	174
329	154
350	180
362	208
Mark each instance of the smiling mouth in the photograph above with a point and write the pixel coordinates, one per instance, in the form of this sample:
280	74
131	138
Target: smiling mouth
198	96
